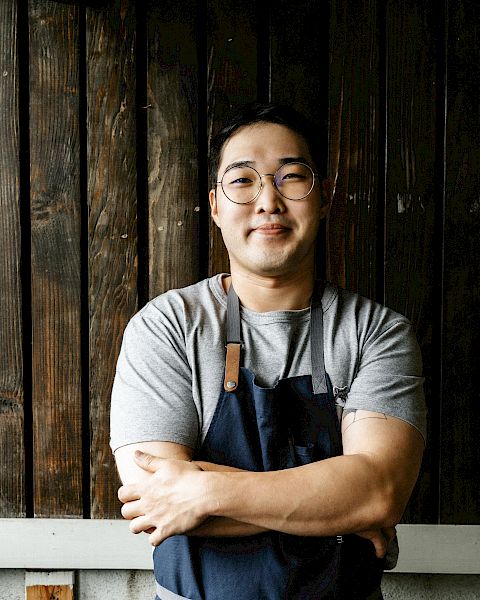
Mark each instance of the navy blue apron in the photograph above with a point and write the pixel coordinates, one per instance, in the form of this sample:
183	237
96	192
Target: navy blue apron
265	429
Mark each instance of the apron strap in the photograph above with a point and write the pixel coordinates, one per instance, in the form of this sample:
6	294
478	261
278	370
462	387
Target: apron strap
319	379
234	342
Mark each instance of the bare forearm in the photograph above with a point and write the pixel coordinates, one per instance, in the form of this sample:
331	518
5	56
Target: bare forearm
338	495
366	488
222	526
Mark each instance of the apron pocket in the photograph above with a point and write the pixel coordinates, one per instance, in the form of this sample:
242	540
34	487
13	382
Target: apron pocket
304	455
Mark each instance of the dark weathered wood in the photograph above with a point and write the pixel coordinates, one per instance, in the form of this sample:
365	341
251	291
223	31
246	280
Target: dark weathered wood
112	226
240	58
55	238
299	57
460	432
232	80
410	207
173	196
12	502
353	145
299	73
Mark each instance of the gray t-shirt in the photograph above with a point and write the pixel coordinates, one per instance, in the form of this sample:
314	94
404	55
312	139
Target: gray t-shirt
170	369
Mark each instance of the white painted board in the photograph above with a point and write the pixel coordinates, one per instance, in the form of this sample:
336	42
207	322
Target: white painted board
108	544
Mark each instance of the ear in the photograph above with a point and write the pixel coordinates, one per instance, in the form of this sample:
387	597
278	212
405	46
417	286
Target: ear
212	198
327	196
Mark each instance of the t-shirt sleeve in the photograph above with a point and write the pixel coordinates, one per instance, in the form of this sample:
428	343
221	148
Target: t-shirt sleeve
389	375
152	390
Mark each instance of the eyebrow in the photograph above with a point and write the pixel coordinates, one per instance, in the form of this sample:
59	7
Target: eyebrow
251	163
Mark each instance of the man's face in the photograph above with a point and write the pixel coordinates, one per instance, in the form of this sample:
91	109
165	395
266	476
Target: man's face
272	236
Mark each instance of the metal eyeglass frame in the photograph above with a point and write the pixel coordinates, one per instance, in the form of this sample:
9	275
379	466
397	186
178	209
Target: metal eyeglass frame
273	182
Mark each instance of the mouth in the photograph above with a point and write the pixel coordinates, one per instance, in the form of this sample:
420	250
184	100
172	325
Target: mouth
270	229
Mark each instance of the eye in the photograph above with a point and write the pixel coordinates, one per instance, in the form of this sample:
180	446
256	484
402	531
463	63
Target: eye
240	181
292	175
240	177
294	172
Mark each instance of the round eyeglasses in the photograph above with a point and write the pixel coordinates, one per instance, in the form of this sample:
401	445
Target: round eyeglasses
243	184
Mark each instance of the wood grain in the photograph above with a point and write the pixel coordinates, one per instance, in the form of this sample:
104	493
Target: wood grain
55	242
112	225
460	450
232	81
353	145
173	193
299	57
421	232
12	501
299	74
411	249
49	592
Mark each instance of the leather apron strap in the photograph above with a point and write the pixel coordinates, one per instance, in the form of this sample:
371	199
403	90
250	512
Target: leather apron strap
234	342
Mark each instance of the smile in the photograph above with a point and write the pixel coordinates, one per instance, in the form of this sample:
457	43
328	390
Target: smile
271	229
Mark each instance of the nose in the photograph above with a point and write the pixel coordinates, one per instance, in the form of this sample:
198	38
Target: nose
269	199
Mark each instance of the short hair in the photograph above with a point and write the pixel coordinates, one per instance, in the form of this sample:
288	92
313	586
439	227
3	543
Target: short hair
250	114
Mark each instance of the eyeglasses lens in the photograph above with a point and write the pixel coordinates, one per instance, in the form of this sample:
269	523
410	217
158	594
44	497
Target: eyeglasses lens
242	184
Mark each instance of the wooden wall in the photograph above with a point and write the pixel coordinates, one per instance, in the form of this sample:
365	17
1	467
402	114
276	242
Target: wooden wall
106	116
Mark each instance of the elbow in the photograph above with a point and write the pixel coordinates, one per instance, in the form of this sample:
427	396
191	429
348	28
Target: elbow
390	505
394	495
390	511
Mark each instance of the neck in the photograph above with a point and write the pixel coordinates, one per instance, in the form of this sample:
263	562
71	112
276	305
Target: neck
262	294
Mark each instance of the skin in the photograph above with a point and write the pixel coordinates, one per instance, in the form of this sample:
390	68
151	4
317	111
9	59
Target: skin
271	247
270	243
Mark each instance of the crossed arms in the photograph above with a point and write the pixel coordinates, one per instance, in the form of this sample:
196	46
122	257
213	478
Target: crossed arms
364	491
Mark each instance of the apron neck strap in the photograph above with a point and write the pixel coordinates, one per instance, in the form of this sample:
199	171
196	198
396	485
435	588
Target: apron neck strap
234	341
319	378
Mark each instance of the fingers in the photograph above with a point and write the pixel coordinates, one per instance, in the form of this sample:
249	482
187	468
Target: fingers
127	493
148	462
130	510
390	533
380	543
140	524
380	539
158	536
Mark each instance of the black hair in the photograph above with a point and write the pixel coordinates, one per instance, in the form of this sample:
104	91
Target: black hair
266	113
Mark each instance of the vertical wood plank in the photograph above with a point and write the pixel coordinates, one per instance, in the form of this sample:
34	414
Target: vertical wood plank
299	73
112	224
299	57
49	585
173	195
12	502
232	80
353	145
55	239
410	213
460	426
49	592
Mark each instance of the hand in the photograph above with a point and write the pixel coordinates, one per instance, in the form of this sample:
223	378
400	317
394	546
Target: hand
170	502
380	538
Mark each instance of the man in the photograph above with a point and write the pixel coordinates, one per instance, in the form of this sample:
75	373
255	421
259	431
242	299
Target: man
279	419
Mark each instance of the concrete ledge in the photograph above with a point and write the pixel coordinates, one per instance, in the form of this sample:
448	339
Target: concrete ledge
439	549
72	544
108	544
